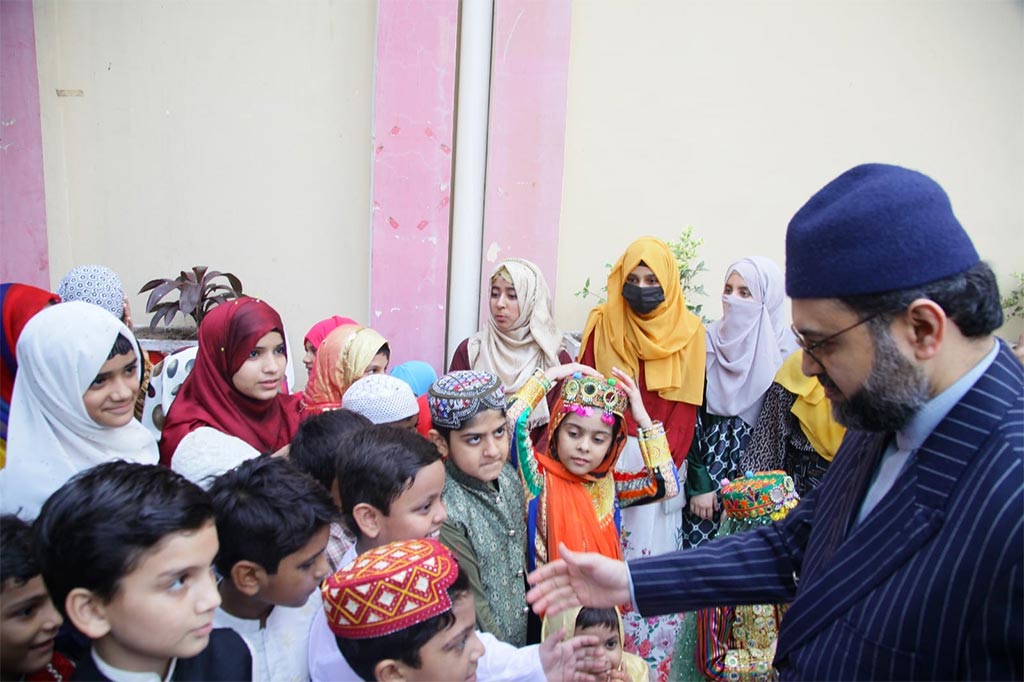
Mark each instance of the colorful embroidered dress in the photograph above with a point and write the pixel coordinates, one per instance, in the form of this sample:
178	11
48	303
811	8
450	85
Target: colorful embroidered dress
736	642
589	521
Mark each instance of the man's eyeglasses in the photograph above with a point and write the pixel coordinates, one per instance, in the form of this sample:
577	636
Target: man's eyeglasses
809	348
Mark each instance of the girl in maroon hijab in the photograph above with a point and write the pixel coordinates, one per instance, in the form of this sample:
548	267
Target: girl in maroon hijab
230	408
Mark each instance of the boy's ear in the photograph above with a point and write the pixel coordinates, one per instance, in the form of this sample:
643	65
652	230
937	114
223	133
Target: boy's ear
367	517
88	612
388	670
440	443
248	577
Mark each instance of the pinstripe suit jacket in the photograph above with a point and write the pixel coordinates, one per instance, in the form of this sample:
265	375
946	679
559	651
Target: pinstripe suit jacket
928	586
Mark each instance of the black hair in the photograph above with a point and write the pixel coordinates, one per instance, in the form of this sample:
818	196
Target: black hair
363	655
970	299
378	464
266	509
386	350
121	346
315	445
590	617
95	529
18	562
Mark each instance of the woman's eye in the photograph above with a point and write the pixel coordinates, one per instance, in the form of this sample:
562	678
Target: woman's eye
280	350
254	353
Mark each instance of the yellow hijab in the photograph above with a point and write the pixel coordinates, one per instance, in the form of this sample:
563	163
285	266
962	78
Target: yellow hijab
811	408
635	667
670	339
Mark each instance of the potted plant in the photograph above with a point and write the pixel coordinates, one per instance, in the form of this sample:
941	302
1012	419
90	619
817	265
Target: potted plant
198	292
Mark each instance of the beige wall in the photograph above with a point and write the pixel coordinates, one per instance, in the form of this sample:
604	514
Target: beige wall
728	115
234	134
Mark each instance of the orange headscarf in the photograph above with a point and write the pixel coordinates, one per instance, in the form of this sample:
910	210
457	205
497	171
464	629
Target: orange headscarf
580	510
670	339
340	360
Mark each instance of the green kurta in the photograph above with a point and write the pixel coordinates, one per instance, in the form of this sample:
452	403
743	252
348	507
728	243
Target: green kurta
486	530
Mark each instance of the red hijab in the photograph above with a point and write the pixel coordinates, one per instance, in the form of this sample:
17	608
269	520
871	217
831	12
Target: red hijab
19	302
319	331
209	398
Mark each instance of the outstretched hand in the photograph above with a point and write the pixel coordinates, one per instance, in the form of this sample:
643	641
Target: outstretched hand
579	659
578	579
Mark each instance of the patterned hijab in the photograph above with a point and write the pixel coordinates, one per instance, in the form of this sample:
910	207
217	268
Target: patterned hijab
340	360
208	397
532	342
94	284
746	346
669	339
52	437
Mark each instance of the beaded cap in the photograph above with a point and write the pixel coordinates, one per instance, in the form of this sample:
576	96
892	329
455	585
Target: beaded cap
581	394
458	396
767	496
389	588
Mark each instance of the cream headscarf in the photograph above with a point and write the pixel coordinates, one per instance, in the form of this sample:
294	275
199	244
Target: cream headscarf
532	342
746	347
51	436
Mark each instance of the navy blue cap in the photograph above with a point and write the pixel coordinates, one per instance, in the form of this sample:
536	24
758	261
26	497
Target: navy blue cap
873	229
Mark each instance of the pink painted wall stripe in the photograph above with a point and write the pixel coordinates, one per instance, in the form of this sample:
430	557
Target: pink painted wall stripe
414	102
24	254
526	138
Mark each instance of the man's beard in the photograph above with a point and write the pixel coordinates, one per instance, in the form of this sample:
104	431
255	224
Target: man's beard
892	394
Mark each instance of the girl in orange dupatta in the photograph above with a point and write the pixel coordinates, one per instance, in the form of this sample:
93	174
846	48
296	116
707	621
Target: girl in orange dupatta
573	492
349	353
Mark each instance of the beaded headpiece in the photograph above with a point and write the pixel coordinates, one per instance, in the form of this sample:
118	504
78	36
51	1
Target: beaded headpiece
582	395
765	496
458	396
389	588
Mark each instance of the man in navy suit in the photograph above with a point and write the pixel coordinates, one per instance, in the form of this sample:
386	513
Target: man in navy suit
907	562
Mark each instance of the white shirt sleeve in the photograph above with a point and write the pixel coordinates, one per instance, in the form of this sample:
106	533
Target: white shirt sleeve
503	662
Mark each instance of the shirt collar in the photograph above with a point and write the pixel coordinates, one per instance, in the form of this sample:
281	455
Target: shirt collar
921	425
118	675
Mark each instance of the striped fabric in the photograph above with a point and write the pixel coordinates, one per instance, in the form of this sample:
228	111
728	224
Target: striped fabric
929	586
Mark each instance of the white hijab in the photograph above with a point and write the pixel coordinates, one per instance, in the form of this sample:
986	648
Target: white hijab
532	342
747	346
51	437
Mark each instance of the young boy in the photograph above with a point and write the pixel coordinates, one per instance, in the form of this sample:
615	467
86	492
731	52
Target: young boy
486	527
384	400
389	484
273	521
126	552
404	611
314	450
28	619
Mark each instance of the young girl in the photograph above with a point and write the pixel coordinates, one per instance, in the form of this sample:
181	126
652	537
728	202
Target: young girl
230	407
646	329
606	625
520	335
73	403
576	491
744	350
348	353
316	335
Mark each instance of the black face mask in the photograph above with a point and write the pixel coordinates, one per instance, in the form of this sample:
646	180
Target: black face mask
643	299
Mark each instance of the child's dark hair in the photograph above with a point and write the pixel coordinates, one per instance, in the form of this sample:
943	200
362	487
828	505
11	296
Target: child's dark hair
94	530
385	350
18	563
266	509
121	346
378	464
364	654
589	617
315	445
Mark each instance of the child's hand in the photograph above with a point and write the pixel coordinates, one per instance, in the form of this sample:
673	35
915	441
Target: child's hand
559	372
704	505
636	401
579	658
